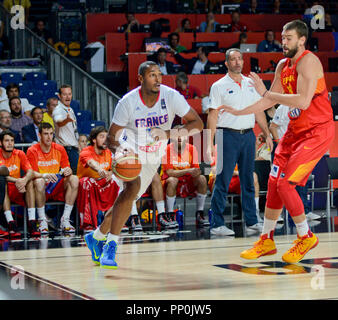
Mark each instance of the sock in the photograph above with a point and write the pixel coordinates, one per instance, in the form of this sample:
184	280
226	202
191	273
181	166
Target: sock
111	237
9	216
268	226
200	200
31	213
134	210
257	204
67	211
160	206
41	213
98	235
170	203
302	228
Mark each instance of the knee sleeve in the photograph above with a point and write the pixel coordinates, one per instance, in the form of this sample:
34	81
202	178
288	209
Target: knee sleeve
290	197
273	200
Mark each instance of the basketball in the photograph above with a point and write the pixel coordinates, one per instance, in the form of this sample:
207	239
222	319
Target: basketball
127	168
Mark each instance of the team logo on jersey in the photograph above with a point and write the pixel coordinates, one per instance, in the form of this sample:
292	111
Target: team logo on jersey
282	175
163	105
274	171
138	108
294	113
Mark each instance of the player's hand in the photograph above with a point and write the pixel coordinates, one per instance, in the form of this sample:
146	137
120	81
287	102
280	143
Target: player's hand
228	109
21	185
109	175
50	177
258	83
210	154
269	143
67	171
195	172
158	134
124	152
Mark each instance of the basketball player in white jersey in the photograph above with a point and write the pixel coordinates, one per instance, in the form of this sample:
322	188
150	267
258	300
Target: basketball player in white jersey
141	125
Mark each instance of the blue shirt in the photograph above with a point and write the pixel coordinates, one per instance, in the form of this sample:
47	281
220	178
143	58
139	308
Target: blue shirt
266	46
204	25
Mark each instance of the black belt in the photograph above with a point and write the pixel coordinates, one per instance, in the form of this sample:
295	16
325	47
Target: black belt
240	131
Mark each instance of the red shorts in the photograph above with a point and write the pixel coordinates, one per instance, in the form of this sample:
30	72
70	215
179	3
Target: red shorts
235	185
185	186
296	156
58	194
14	195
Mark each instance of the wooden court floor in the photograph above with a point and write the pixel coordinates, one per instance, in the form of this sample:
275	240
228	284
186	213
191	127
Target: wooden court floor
201	269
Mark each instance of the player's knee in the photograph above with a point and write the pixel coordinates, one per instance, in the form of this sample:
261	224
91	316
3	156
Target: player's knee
172	181
74	181
202	181
133	187
39	184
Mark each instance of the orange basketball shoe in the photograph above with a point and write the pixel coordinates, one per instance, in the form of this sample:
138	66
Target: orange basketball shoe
263	247
302	246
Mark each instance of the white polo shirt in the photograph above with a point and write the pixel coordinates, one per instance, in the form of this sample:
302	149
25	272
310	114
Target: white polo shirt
281	119
68	134
228	92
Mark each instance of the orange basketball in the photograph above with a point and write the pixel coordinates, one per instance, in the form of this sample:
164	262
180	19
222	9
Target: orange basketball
127	168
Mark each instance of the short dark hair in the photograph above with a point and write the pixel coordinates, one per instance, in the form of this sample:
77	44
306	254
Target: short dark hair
161	50
183	22
13	98
11	86
4	133
65	86
299	26
50	100
171	35
182	76
45	125
33	110
95	132
228	52
144	66
204	50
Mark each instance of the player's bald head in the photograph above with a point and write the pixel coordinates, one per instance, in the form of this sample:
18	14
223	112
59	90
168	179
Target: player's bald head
142	69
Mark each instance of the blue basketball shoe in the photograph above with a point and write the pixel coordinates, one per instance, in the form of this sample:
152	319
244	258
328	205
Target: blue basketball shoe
95	246
107	260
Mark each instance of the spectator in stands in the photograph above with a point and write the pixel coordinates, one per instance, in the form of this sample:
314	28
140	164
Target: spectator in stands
185	89
66	132
253	8
185	26
42	32
278	127
174	42
19	119
200	6
97	185
210	24
4	43
3	94
48	116
30	133
83	142
132	24
206	102
236	25
13	90
8	4
328	24
47	158
20	190
183	177
6	123
166	67
196	65
276	7
242	38
270	44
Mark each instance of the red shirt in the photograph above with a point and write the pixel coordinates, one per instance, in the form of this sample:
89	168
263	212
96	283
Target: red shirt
319	111
15	163
190	92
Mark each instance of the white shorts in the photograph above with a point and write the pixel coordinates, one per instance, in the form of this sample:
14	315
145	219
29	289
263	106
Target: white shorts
147	174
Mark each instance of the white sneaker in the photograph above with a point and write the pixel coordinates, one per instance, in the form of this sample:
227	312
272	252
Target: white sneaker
66	226
256	228
43	226
221	231
312	216
280	218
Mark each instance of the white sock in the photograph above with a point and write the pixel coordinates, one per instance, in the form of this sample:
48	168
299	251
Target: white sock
111	237
98	235
302	228
134	210
31	213
268	226
9	216
200	200
170	203
41	213
257	204
160	206
67	211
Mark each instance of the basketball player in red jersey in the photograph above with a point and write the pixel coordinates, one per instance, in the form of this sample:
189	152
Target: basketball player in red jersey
299	83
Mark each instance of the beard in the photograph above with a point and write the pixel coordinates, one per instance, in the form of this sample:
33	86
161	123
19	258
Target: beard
10	149
16	114
291	52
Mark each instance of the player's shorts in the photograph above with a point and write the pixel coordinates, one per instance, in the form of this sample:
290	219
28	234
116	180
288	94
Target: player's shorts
146	175
235	185
58	194
296	156
185	186
14	195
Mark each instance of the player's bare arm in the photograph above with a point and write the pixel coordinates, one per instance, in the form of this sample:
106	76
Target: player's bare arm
309	70
261	120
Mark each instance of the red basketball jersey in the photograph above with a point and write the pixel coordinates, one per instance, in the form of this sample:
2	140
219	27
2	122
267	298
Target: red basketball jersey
319	111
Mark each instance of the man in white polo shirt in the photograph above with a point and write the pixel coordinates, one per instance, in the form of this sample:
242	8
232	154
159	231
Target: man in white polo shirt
66	132
235	142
